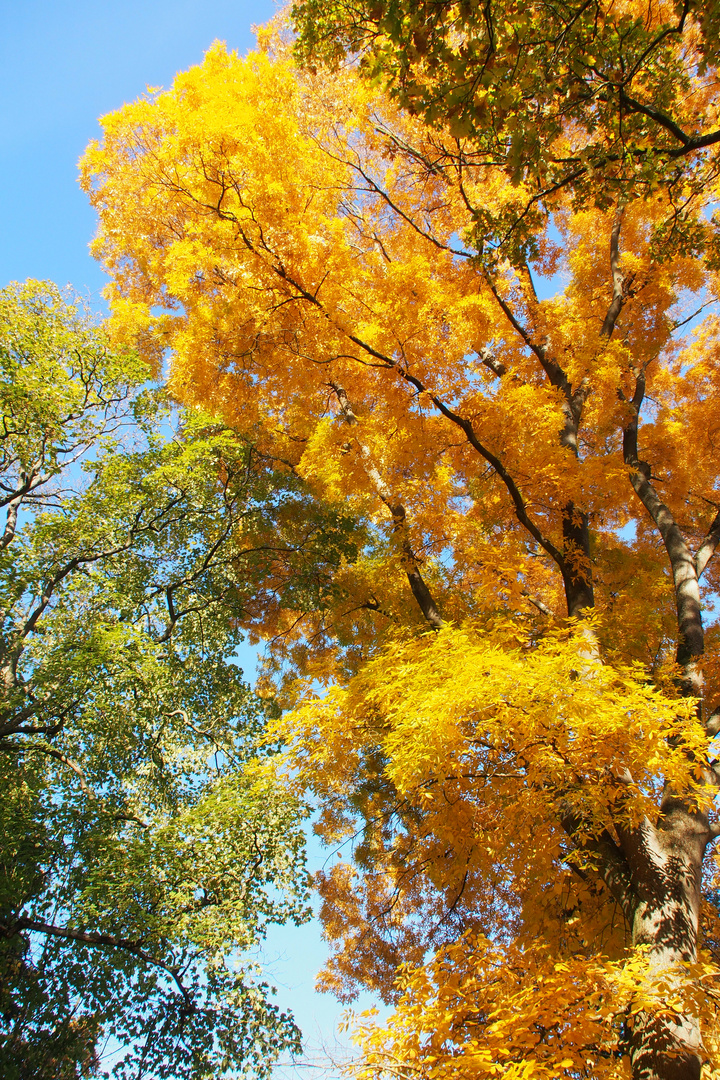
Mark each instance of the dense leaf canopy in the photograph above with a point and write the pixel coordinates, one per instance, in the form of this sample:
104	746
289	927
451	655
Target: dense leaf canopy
604	101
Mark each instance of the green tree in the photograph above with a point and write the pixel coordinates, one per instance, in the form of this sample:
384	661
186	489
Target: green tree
142	851
609	102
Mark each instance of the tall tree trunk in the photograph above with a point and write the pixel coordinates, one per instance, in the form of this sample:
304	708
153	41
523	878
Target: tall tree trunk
666	862
577	572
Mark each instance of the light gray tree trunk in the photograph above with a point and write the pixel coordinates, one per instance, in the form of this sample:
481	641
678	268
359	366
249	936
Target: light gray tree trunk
666	865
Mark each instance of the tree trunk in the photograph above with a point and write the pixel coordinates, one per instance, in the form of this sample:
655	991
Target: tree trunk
666	864
577	573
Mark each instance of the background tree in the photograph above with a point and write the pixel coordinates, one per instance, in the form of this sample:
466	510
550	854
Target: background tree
605	102
143	855
532	445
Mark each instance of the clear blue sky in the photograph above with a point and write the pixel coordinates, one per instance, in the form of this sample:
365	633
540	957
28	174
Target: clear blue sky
64	63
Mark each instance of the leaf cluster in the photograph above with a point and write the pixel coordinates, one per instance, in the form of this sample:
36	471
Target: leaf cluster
524	440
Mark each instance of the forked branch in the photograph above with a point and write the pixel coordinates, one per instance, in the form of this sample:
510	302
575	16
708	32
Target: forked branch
708	547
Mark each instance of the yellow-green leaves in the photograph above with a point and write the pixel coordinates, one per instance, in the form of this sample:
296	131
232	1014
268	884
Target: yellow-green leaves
537	719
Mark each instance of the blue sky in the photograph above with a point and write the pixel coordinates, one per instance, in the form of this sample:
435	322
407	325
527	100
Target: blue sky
64	63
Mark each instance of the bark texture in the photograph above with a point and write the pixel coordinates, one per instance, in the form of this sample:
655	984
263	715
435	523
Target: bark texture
666	862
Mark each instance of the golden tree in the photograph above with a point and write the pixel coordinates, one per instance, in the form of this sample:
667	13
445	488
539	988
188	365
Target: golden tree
518	728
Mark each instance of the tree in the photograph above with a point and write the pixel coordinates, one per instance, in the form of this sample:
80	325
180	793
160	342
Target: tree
605	102
144	852
519	727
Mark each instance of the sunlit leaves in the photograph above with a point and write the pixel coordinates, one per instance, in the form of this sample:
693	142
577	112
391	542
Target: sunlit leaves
384	304
598	100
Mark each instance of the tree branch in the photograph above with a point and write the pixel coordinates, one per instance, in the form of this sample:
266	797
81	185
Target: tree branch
89	937
613	868
616	274
31	480
685	577
573	402
707	548
417	583
654	114
465	425
491	362
512	488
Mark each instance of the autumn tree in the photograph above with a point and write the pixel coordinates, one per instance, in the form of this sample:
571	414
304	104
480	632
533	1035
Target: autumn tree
142	854
491	331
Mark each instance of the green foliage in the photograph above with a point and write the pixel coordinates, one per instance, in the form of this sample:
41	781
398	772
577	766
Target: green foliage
143	852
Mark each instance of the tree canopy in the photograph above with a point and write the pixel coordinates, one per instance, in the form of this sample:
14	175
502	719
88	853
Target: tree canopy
515	393
143	852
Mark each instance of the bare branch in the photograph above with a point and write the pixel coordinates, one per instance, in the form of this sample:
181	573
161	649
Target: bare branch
491	362
64	760
542	608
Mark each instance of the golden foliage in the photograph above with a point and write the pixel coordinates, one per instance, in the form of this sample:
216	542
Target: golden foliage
305	250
